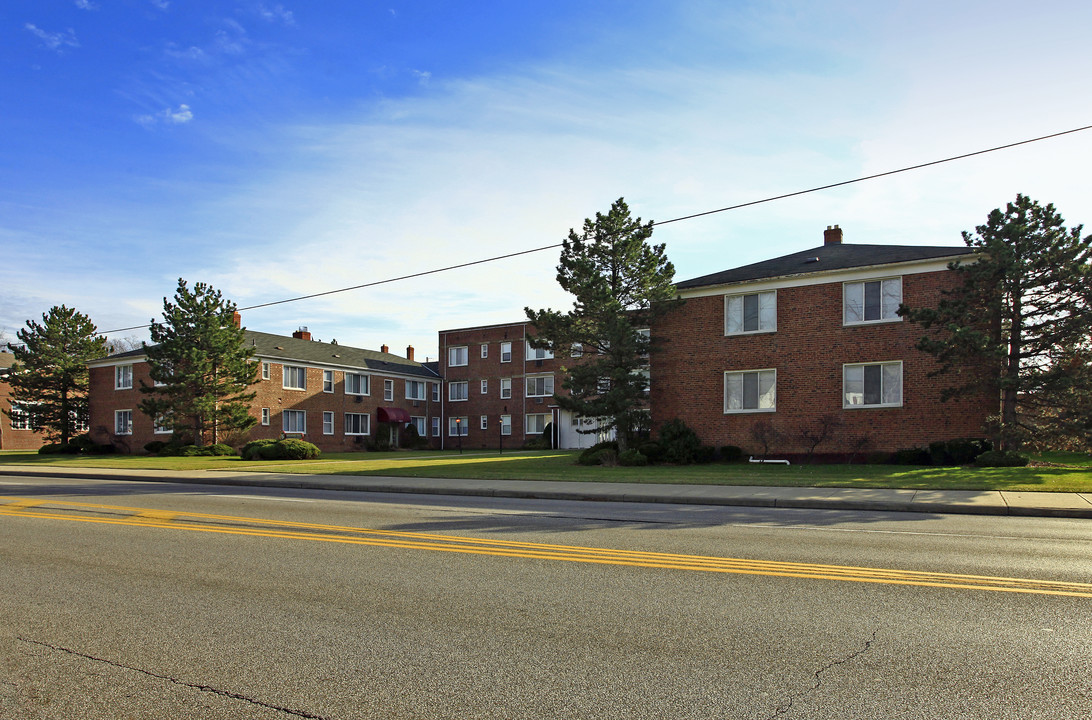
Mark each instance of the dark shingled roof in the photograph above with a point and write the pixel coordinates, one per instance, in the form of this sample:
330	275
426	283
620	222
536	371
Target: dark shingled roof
289	349
834	256
279	347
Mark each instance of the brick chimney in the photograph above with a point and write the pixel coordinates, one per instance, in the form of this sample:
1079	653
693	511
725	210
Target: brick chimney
409	352
832	235
237	319
384	349
302	334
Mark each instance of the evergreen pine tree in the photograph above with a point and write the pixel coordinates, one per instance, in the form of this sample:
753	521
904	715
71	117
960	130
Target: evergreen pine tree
50	378
620	284
200	366
1017	325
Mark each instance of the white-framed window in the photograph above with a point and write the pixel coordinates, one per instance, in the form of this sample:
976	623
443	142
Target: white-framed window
415	390
458	426
540	386
534	353
20	418
435	427
80	425
602	385
485	422
358	424
506	352
388	390
458	391
328	381
506	424
457	356
871	301
435	392
265	416
295	377
160	426
750	313
577	350
123	378
535	424
123	422
358	384
872	385
265	371
418	423
327	422
294	421
485	387
485	350
750	391
505	388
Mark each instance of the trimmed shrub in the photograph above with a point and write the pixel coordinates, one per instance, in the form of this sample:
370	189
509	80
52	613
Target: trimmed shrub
58	449
651	450
590	455
83	442
961	451
679	442
221	449
299	449
912	456
632	458
155	447
1001	458
731	453
704	454
103	449
607	457
252	450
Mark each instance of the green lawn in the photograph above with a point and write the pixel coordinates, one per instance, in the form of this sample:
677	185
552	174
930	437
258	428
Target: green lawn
1068	472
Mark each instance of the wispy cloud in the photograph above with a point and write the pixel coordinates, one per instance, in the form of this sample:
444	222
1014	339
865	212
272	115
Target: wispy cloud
167	116
160	4
423	76
231	39
276	13
57	41
87	5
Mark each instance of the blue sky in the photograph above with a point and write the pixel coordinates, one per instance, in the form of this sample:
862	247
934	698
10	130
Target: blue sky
278	149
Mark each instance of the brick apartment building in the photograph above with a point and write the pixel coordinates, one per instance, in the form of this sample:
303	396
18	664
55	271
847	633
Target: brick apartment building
335	396
789	341
15	432
499	389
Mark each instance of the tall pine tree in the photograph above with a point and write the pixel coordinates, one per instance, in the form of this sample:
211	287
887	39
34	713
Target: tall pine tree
1017	325
620	284
200	366
50	378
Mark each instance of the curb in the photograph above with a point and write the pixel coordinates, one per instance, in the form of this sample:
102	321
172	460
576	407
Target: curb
320	482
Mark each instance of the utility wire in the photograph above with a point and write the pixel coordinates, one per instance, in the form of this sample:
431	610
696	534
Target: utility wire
654	224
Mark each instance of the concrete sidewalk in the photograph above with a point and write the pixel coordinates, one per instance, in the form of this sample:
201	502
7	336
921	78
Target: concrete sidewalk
977	502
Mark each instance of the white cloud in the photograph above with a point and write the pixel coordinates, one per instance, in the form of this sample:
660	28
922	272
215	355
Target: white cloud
160	4
87	5
276	13
54	40
181	116
423	76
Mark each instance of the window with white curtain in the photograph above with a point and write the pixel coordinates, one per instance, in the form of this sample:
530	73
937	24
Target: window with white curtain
872	385
752	312
750	391
872	301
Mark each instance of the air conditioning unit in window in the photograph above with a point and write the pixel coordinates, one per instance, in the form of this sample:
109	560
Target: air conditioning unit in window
538	401
360	398
416	403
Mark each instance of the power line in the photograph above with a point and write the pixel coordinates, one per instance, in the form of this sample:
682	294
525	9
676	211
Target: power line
654	224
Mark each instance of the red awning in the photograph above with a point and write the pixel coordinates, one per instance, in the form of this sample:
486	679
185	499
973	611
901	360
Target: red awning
393	415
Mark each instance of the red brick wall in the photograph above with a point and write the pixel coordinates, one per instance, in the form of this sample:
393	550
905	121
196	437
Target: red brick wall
10	437
808	351
492	370
270	394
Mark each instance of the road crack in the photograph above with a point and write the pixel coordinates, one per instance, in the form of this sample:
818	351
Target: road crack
785	708
194	686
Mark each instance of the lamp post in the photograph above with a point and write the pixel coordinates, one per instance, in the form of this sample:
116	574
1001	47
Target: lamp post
459	433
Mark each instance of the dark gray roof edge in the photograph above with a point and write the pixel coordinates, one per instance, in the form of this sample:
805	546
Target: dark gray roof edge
833	257
264	345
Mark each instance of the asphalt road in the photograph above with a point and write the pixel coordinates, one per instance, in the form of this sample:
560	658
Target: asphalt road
149	600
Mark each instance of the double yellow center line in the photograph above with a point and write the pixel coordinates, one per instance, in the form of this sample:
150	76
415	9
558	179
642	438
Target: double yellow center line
284	529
